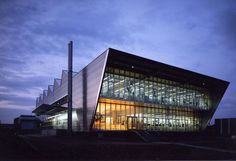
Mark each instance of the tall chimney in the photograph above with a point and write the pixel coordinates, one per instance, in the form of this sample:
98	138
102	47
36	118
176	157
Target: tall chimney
70	66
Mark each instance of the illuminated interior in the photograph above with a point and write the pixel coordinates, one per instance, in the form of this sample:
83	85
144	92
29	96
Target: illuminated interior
59	120
135	101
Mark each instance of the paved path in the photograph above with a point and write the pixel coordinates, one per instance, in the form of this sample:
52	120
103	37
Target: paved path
28	141
197	147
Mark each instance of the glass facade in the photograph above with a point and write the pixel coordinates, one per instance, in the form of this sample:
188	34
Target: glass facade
130	100
59	120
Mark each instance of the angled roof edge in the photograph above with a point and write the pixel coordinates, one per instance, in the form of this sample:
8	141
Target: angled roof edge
113	51
64	73
45	93
172	66
40	98
106	52
50	90
56	83
37	101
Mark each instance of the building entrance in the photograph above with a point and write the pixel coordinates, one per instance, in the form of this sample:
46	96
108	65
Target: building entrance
131	122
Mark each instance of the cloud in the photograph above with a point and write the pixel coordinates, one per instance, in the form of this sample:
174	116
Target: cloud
28	93
7	115
196	35
12	105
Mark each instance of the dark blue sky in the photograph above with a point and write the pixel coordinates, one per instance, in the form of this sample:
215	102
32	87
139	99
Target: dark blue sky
195	35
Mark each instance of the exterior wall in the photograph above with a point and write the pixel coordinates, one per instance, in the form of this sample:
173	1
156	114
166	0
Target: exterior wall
59	120
59	91
128	92
85	91
93	77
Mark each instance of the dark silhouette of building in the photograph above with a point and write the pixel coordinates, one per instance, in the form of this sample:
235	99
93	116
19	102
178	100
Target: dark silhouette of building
27	124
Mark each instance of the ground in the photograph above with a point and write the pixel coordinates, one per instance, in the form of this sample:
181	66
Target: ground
82	147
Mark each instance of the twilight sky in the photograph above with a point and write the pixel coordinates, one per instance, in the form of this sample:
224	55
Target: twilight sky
195	35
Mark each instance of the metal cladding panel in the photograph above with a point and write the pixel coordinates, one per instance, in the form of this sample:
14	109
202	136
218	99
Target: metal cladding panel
50	90
85	90
37	101
58	92
93	75
57	83
64	77
77	102
77	91
217	94
40	99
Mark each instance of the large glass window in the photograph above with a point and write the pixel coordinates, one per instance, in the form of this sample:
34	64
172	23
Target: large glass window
134	101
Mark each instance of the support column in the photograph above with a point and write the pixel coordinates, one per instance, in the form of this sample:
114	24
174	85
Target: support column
70	65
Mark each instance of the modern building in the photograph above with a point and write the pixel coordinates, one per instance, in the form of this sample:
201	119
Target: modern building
121	91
